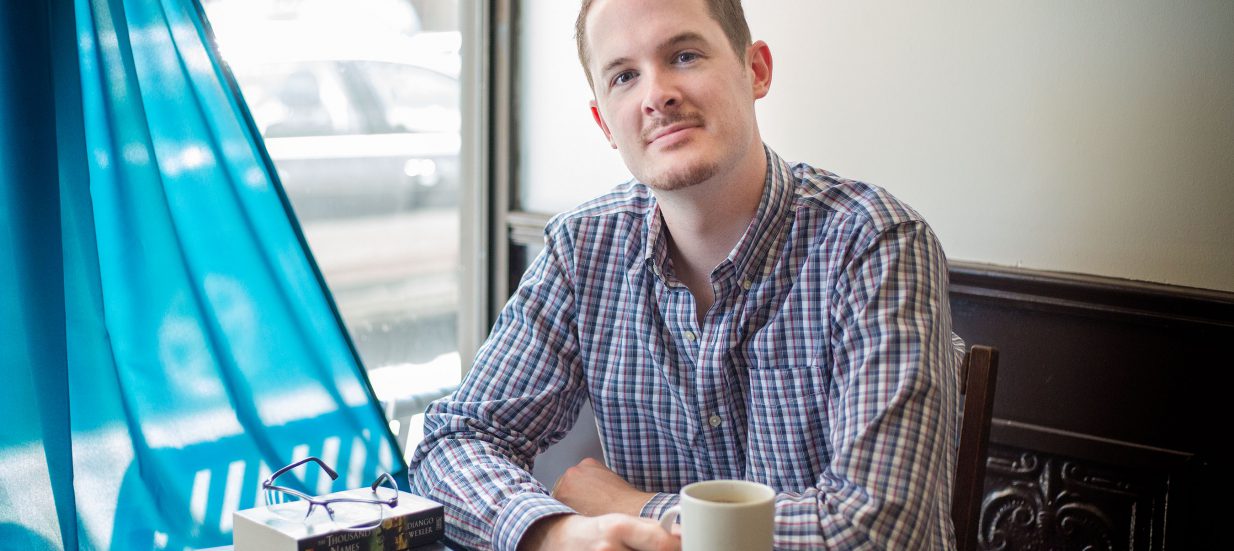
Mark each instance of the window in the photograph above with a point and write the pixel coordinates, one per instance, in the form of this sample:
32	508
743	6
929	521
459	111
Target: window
359	103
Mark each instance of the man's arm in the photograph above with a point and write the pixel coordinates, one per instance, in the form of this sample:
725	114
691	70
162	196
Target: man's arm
591	488
523	392
893	418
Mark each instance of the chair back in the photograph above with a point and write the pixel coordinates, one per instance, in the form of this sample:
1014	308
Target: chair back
978	373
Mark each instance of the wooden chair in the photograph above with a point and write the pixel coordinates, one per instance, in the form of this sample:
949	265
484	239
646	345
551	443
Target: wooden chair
978	373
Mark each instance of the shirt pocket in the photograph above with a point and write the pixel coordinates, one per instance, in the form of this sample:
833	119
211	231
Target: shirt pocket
787	440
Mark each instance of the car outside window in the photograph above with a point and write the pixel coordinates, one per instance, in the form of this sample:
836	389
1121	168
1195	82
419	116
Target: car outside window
358	105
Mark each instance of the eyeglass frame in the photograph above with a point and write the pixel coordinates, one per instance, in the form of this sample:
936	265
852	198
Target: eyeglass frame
268	485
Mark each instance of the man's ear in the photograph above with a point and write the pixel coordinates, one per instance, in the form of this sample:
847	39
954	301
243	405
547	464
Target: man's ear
759	58
595	114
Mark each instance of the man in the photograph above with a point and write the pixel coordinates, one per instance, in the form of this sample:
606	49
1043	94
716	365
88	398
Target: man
727	314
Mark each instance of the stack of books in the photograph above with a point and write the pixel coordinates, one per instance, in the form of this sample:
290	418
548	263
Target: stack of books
415	522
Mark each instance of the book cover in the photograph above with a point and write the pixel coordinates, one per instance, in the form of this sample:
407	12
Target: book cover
415	522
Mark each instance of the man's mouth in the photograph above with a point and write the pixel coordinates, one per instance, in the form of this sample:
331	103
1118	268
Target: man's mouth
665	129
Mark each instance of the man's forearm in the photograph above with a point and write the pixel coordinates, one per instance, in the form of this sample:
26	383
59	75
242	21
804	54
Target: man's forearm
536	538
489	499
592	489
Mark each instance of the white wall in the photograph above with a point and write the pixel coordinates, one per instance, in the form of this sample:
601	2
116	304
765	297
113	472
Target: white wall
1093	137
565	159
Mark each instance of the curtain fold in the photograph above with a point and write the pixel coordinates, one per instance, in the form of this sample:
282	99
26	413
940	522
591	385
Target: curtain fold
167	339
35	458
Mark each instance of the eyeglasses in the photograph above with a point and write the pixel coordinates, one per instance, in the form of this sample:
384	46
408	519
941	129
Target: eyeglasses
345	513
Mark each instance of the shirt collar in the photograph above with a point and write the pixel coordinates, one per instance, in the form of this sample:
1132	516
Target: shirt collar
655	253
748	259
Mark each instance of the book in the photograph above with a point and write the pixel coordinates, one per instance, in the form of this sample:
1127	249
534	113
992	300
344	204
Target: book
415	522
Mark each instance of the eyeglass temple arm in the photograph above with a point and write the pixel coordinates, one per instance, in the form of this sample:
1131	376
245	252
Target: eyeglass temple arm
384	476
392	502
320	463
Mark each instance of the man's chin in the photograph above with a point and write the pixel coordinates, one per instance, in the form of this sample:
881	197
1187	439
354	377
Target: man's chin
681	177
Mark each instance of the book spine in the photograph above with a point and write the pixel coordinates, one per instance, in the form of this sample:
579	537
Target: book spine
400	533
405	532
366	540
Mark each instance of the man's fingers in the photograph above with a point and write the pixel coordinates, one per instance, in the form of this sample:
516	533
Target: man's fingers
643	534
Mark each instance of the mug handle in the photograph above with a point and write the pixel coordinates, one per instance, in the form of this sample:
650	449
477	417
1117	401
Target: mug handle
669	517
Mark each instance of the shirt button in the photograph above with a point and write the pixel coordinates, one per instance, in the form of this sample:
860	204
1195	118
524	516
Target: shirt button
715	421
746	285
690	336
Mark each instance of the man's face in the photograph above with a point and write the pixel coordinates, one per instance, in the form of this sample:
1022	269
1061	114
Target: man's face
671	94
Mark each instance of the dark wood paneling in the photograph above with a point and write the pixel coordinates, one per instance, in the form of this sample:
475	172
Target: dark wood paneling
1110	410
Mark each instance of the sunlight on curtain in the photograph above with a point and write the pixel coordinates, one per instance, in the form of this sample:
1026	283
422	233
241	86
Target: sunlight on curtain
200	348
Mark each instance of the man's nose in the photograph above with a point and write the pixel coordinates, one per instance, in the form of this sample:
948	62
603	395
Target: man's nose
663	93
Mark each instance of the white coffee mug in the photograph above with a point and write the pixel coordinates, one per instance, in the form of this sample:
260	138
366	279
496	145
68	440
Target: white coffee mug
722	515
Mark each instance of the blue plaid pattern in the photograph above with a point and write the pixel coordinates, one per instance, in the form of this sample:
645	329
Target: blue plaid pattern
825	369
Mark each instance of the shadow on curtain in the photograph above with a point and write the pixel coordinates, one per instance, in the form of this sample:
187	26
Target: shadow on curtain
165	338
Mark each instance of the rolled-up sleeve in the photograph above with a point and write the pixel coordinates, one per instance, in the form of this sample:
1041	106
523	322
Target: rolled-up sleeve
658	504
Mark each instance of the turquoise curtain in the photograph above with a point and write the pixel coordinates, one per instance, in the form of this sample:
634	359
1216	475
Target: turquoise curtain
165	338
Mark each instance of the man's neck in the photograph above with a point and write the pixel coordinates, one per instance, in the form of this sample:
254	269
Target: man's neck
705	221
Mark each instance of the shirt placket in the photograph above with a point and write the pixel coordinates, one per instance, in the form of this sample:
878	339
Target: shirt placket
676	306
712	396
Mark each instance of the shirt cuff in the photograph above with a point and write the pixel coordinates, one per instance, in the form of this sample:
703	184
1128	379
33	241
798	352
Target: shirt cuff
519	513
655	507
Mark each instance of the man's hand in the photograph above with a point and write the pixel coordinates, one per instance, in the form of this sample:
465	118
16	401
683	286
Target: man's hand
609	508
592	489
609	532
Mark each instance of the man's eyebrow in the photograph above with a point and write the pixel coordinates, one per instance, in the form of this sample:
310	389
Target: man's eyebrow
678	39
614	63
675	40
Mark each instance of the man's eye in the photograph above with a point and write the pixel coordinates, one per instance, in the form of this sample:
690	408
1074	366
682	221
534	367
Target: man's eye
623	77
686	57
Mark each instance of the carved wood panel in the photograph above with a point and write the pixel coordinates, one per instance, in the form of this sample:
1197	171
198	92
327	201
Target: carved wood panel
1041	502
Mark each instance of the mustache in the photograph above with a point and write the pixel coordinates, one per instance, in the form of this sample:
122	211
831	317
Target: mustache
693	119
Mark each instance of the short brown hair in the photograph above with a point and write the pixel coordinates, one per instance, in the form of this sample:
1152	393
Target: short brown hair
727	13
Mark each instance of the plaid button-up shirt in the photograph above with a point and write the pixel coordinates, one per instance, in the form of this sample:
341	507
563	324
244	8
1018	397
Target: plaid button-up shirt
825	369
